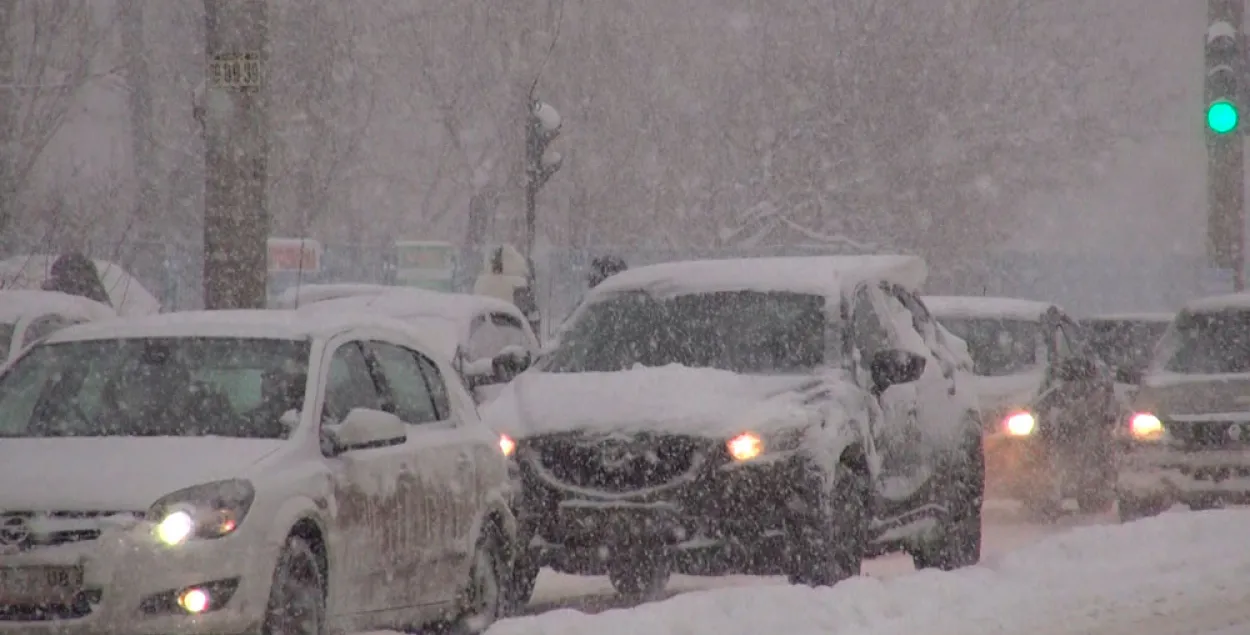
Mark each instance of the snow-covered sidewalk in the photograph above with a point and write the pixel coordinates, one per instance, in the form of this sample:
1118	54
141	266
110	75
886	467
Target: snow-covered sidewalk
1173	569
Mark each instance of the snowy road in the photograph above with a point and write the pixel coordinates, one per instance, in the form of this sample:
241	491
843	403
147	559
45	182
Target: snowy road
1005	530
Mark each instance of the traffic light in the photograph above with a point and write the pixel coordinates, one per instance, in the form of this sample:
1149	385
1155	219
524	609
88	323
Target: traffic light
1225	65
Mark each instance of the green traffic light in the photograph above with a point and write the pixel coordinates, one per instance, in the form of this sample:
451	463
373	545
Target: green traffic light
1222	116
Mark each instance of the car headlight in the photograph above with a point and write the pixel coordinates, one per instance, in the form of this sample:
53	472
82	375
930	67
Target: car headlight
207	511
1145	426
750	445
507	445
1020	424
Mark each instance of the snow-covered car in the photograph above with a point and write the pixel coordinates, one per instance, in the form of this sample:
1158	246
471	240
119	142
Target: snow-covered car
1125	341
1189	436
245	471
1048	401
488	340
27	316
304	294
760	416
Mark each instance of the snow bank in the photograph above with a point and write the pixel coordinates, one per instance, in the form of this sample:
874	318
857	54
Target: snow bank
1083	579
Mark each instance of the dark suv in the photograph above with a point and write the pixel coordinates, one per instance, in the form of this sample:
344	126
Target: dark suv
765	416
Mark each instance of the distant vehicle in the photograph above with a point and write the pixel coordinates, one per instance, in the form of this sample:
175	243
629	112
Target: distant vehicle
27	316
1048	402
762	416
1189	436
246	471
1125	341
488	340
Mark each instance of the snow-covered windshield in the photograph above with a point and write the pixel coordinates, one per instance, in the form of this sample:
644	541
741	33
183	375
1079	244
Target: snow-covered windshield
999	347
6	340
1206	343
231	387
739	331
1126	344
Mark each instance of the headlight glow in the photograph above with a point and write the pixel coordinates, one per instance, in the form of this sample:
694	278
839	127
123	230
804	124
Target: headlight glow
745	447
1020	424
208	511
506	445
1146	427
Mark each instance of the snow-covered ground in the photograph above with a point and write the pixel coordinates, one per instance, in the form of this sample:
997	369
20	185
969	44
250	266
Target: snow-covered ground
1180	573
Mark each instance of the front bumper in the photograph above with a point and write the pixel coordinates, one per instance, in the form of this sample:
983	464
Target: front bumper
1171	475
130	582
724	519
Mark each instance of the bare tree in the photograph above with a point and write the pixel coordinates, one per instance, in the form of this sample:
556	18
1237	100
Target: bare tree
46	52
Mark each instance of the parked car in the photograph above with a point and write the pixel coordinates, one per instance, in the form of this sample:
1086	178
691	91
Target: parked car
244	471
27	316
762	416
1125	341
1048	402
488	340
1189	436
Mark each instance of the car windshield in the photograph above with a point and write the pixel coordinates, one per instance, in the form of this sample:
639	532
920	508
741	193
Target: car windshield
1000	347
1126	344
184	386
1206	343
739	331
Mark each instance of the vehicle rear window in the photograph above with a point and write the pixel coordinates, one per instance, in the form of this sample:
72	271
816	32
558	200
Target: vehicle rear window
1126	344
1000	347
1211	342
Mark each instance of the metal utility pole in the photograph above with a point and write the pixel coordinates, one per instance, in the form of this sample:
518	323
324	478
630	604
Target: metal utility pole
1224	88
541	128
236	148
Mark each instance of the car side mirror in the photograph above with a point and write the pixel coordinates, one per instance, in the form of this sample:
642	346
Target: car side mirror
1128	376
893	367
365	429
510	363
1077	369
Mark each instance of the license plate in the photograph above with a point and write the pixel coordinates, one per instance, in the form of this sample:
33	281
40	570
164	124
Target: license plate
39	585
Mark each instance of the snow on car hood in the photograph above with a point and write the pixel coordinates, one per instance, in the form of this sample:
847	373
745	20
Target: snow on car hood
1009	391
116	473
671	398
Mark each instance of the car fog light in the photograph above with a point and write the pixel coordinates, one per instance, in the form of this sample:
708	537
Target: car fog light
194	601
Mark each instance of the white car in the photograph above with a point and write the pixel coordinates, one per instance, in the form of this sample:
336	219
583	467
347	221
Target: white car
305	294
26	316
765	416
245	471
488	340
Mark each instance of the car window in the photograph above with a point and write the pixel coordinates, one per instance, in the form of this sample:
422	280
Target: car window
869	333
409	391
349	385
244	388
44	327
438	387
510	330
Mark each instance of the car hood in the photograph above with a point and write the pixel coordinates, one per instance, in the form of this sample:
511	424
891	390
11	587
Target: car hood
669	399
120	474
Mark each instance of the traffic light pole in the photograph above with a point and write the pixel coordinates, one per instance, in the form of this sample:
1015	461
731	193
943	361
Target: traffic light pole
1225	89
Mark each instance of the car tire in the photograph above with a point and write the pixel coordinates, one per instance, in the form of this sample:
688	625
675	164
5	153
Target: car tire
957	542
827	545
485	599
1131	508
297	594
521	587
641	574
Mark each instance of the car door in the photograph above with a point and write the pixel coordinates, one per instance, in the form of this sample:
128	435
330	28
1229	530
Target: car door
374	557
896	436
444	468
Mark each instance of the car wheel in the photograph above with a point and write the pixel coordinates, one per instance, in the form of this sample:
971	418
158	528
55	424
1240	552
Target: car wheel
828	545
957	543
524	579
1132	508
485	599
641	574
297	594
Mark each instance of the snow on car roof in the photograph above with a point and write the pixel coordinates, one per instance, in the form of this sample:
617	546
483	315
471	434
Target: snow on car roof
302	294
1144	316
261	323
820	275
16	304
1219	303
404	302
976	306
